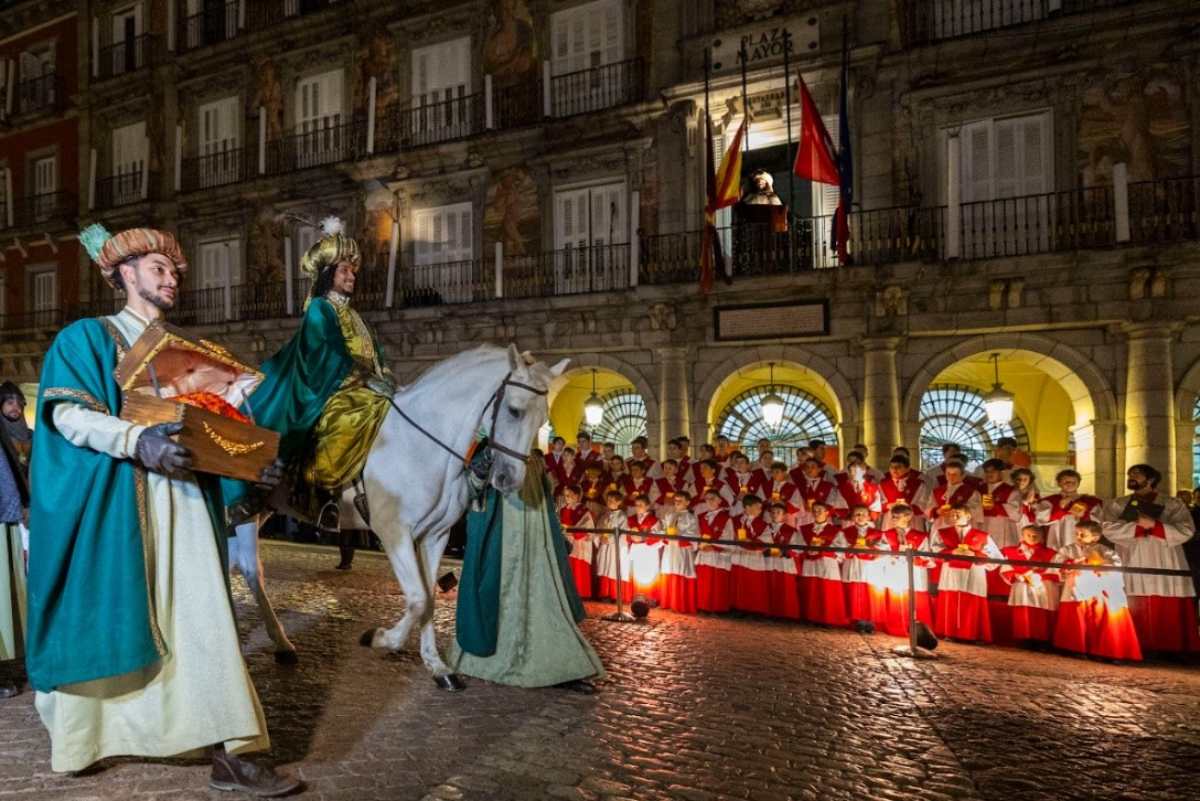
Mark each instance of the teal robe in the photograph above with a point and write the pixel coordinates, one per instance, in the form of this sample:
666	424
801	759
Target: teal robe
88	592
478	614
298	382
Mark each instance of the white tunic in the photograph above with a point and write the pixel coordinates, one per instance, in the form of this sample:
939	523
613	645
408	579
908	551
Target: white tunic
819	565
678	558
718	560
200	693
606	549
1003	529
783	563
972	579
1032	588
1167	552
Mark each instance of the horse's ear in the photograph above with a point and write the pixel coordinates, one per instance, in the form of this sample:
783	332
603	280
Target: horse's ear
514	357
560	368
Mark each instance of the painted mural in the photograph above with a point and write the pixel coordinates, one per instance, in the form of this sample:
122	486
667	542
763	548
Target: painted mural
512	215
1138	118
510	49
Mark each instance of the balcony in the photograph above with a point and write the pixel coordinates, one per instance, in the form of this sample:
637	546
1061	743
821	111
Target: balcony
213	25
434	123
570	271
453	282
49	207
37	95
129	56
222	168
263	14
937	20
33	320
596	89
127	188
324	141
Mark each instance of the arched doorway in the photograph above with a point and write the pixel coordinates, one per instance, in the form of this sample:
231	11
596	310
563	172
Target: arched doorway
624	415
955	413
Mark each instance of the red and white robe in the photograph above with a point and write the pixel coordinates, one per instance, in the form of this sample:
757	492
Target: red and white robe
593	490
961	610
862	575
863	492
909	490
554	467
644	556
1055	513
678	588
784	492
895	581
633	489
751	581
612	559
1001	508
813	490
662	495
943	496
1163	607
1093	613
721	488
822	593
582	546
1033	593
714	563
783	575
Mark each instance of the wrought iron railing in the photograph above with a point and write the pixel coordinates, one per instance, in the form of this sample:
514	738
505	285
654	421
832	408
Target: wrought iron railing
1044	223
214	24
596	89
221	168
128	56
263	14
570	271
44	208
32	320
45	93
328	140
936	20
519	104
433	123
128	187
1167	210
468	281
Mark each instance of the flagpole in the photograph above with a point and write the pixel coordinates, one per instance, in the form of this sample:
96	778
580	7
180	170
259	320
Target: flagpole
787	96
707	113
744	57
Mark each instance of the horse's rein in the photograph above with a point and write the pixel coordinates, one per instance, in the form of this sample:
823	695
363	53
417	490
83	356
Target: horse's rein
494	402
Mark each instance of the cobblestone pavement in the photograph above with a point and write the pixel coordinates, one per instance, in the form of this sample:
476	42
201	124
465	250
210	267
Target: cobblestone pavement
694	708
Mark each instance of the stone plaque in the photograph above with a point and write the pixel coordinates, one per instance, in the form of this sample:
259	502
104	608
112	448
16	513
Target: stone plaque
771	320
764	44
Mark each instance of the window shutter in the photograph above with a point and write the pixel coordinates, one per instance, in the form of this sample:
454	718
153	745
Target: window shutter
1007	181
975	140
1035	151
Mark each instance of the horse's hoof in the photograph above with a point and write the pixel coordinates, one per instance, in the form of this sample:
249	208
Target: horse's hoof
450	682
286	657
368	638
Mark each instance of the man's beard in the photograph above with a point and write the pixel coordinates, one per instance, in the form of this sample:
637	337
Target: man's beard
160	303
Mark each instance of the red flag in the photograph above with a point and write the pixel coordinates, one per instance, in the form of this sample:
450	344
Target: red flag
814	158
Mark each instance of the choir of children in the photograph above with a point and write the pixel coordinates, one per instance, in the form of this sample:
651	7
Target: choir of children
745	513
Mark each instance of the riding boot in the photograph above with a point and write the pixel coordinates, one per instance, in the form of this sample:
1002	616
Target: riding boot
346	548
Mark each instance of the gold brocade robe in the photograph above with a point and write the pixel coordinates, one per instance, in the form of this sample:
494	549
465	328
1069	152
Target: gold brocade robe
351	418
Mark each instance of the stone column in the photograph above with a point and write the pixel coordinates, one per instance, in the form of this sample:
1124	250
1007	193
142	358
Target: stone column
674	396
1150	400
1096	457
881	399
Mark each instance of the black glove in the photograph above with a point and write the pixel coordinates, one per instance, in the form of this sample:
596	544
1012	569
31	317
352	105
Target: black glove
158	452
270	476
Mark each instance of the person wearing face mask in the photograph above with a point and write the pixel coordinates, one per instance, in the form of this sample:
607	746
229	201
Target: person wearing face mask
1149	529
856	487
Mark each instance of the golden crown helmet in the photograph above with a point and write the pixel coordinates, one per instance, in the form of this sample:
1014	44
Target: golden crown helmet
108	251
330	250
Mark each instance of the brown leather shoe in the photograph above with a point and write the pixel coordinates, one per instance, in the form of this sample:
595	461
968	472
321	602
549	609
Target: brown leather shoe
240	775
9	691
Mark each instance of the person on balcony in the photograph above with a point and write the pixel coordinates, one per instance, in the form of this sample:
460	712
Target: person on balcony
131	643
326	391
762	190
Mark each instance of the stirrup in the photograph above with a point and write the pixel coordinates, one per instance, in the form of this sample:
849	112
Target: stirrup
329	518
360	503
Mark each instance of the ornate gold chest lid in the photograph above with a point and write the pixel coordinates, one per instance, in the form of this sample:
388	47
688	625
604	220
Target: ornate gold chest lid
167	362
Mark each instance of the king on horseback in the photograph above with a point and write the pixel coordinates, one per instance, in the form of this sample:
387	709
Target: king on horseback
326	391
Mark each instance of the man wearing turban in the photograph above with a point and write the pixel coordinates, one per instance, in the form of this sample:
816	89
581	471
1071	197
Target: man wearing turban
131	642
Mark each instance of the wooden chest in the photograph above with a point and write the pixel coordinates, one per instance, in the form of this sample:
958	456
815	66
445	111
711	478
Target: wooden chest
166	363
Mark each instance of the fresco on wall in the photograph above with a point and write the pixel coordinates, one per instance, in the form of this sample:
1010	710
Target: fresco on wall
268	94
1139	118
266	248
512	214
376	59
739	12
510	49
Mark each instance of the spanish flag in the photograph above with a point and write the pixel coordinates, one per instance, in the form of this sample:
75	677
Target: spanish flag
729	176
724	189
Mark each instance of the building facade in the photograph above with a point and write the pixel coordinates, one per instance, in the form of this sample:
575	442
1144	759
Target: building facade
534	171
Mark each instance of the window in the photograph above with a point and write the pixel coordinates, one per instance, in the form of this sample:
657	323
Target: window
306	237
591	227
320	138
961	17
127	55
624	420
36	90
443	252
220	156
45	185
955	413
128	163
220	269
43	293
210	21
441	85
584	40
805	418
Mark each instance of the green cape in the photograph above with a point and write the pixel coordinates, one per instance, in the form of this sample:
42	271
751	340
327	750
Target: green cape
297	383
89	603
477	617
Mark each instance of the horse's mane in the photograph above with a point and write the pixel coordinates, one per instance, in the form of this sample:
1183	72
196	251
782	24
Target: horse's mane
438	375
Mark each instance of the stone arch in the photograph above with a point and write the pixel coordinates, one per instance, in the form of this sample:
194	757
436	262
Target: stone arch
584	362
846	406
1186	393
1091	395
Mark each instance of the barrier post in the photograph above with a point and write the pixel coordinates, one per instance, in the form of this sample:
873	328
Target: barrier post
912	649
619	616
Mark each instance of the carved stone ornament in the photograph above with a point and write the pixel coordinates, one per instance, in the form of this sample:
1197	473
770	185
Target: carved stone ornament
662	317
891	301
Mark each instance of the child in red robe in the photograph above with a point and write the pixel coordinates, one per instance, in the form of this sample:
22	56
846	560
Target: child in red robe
644	548
714	563
861	572
611	558
782	576
962	606
1093	614
898	539
751	582
678	590
822	593
575	514
1033	598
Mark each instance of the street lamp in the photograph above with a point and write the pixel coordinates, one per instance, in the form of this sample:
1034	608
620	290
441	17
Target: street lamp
772	404
999	402
593	409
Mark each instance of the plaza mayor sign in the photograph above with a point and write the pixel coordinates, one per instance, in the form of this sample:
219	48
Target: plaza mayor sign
765	44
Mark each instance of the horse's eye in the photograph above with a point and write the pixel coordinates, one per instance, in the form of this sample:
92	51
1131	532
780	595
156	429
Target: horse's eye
514	413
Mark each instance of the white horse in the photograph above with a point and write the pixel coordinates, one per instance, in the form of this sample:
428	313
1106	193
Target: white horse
417	485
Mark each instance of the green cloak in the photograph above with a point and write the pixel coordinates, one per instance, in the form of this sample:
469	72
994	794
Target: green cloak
297	383
88	586
478	614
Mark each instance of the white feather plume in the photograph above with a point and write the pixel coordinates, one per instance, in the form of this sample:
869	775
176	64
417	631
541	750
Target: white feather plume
331	226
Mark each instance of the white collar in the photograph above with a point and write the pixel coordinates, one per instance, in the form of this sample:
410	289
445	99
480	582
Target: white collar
337	298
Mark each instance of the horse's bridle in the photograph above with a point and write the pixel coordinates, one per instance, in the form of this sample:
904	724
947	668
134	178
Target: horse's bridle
495	401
